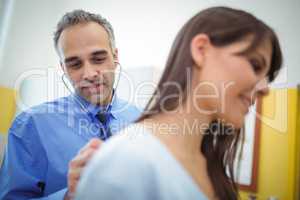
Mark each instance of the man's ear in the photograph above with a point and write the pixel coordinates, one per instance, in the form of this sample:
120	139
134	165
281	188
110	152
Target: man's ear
62	67
199	46
116	55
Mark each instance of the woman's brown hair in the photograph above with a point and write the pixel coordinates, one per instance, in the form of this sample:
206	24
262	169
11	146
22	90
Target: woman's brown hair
223	26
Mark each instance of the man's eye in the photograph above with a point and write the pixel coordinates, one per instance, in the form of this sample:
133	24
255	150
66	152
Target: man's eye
99	60
74	65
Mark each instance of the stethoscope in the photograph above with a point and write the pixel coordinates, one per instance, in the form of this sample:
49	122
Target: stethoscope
66	79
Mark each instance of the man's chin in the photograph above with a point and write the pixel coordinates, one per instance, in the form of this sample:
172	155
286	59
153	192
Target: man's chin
99	99
96	99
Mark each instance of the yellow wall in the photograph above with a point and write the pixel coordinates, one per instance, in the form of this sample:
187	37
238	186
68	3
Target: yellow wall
279	157
7	108
297	185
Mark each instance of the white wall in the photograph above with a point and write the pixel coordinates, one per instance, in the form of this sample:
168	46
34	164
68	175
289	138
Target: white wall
144	30
6	9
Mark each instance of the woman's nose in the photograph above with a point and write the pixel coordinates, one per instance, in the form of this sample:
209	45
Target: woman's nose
262	87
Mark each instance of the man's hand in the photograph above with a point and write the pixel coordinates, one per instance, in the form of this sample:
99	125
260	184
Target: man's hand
77	164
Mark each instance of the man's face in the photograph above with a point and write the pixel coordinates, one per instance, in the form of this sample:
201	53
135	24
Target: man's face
88	60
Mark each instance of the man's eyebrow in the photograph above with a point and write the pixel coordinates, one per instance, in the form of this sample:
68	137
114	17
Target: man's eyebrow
99	53
71	59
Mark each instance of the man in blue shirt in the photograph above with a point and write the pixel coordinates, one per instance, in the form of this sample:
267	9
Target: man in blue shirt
44	139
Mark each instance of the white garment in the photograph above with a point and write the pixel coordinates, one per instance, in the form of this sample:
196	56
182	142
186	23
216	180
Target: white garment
135	165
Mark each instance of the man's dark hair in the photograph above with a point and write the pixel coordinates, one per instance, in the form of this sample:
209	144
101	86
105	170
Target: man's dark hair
80	16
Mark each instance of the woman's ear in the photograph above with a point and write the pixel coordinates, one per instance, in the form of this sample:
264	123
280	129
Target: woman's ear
199	46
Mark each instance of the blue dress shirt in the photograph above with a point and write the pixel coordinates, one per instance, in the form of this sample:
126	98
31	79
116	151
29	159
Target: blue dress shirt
43	139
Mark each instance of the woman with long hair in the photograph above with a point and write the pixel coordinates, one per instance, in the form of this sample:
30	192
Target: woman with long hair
185	143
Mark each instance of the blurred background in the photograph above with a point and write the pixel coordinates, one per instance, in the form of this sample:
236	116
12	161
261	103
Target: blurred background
30	72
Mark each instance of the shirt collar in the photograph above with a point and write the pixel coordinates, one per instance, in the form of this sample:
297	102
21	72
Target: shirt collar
94	109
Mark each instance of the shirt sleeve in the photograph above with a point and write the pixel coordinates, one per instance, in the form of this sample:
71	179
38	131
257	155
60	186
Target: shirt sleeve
24	164
118	172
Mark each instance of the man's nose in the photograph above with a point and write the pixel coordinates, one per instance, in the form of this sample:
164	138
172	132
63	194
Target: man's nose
89	72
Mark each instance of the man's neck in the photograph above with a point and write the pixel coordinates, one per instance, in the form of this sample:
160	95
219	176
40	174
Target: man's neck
106	102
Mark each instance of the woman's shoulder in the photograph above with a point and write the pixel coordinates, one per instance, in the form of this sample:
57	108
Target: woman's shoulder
135	165
132	148
133	144
120	169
